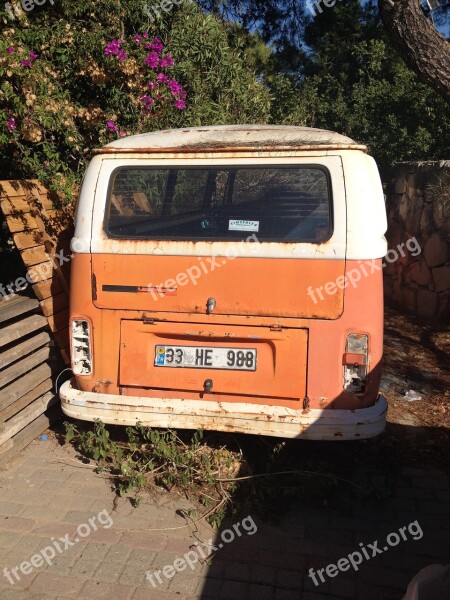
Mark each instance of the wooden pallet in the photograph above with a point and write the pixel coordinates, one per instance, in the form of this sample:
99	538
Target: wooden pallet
29	362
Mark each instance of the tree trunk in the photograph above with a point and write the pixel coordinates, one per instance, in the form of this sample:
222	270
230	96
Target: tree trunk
420	45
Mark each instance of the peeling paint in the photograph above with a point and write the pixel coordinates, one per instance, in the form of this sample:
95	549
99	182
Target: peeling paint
276	421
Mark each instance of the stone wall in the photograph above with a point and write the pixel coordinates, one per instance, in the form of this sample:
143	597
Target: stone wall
418	206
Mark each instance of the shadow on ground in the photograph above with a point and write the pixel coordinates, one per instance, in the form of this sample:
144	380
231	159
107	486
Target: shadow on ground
342	520
364	492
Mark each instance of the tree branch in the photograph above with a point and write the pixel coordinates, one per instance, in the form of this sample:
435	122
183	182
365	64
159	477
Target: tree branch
420	45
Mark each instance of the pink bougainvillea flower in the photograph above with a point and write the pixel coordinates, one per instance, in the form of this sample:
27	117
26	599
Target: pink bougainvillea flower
114	48
10	50
33	55
111	125
155	45
152	85
167	61
137	38
25	62
175	87
145	34
147	101
152	60
162	78
11	124
122	133
180	104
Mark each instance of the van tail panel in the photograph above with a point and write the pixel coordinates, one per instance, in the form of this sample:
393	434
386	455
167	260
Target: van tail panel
326	345
230	361
253	286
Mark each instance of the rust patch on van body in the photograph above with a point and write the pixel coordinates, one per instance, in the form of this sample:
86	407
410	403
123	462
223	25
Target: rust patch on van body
199	150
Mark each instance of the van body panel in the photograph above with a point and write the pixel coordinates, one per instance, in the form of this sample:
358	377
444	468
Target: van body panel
280	356
326	342
365	205
313	424
219	138
242	286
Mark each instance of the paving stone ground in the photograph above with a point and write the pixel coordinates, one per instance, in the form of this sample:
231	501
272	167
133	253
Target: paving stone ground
47	495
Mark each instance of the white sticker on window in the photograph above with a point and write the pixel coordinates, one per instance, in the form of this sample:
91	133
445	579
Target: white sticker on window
240	225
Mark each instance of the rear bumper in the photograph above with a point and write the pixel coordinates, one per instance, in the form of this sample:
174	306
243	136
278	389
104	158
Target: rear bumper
313	424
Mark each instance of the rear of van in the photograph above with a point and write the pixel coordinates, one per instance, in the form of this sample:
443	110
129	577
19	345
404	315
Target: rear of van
229	278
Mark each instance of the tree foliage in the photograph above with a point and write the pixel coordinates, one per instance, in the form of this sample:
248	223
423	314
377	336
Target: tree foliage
73	76
61	94
350	79
364	89
282	23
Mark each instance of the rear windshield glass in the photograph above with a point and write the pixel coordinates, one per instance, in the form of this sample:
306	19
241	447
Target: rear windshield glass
291	204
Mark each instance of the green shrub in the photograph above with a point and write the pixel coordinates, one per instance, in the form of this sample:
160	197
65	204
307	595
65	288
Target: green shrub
73	76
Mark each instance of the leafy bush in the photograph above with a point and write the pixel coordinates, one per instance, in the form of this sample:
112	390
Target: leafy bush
76	75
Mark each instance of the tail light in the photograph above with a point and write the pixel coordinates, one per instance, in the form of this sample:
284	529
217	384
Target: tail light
355	361
81	347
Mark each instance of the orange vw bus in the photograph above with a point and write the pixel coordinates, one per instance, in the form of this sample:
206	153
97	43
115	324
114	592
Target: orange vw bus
230	278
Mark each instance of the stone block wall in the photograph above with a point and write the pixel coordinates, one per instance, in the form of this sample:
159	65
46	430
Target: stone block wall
418	206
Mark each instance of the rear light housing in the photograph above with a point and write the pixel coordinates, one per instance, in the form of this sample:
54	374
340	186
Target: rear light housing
355	362
81	347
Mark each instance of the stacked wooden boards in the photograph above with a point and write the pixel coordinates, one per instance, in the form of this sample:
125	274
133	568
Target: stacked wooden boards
34	321
41	229
29	363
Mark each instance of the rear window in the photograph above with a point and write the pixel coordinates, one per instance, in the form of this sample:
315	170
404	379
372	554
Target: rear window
291	204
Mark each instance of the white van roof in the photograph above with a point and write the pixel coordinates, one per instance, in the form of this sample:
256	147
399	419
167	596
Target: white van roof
223	137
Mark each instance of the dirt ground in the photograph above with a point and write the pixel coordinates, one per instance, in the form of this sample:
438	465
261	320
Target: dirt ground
417	357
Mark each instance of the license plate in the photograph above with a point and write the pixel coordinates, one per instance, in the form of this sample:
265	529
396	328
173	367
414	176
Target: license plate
206	357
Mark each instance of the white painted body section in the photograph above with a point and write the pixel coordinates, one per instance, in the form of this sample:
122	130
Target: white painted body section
312	424
366	214
332	249
359	219
232	136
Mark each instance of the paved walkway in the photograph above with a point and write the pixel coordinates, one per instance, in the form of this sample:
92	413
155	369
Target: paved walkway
48	504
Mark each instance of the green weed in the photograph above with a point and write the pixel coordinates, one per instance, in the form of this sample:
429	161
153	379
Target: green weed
152	456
